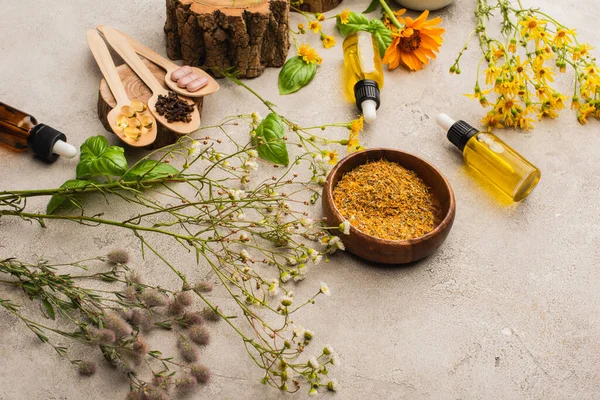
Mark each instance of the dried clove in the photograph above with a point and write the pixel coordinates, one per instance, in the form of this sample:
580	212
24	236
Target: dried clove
173	108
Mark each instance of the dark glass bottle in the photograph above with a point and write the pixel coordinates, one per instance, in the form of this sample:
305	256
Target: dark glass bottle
21	131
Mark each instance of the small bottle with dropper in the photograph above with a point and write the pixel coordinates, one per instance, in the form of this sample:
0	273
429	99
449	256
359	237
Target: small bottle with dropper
363	73
21	131
492	158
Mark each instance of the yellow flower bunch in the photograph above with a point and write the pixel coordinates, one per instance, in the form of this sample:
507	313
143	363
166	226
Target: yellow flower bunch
355	127
523	64
313	24
309	54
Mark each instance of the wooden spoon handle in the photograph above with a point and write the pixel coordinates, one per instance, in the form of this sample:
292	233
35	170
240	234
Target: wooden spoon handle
122	46
107	66
144	51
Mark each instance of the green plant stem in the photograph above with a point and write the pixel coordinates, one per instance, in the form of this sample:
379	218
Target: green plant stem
391	15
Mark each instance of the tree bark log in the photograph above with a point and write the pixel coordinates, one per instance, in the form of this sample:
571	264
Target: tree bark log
317	6
247	35
137	90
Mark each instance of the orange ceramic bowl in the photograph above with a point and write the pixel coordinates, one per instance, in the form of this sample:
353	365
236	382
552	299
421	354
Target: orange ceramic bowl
392	251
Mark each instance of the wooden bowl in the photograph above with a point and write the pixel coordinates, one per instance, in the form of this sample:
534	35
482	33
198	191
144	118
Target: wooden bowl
391	251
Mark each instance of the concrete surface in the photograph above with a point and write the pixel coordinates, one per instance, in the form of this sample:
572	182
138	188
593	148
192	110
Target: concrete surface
508	308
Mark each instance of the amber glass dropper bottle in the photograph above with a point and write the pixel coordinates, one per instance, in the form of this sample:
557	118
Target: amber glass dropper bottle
21	131
492	158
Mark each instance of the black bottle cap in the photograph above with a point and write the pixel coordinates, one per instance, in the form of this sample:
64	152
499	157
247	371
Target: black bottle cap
42	139
366	89
460	133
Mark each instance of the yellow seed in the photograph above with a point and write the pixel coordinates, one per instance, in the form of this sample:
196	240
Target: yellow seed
133	123
122	121
132	133
128	111
138	106
147	121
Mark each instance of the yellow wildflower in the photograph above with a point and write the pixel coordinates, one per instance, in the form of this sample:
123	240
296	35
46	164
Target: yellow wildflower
506	107
588	88
507	88
320	17
585	111
328	41
357	125
491	121
542	92
522	68
575	103
477	93
309	55
563	37
344	15
497	52
300	27
544	74
532	27
545	37
523	122
333	156
491	74
557	101
582	51
314	26
353	145
512	47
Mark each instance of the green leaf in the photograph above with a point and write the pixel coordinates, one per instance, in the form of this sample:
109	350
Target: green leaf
295	74
57	200
49	308
372	7
356	22
381	33
98	159
269	140
150	169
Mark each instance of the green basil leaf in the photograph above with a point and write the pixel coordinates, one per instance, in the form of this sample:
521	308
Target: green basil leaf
372	7
269	141
98	159
295	74
150	169
57	200
382	35
356	22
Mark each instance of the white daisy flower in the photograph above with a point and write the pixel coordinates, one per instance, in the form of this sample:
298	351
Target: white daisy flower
306	222
345	227
250	165
314	363
325	289
245	255
332	385
273	287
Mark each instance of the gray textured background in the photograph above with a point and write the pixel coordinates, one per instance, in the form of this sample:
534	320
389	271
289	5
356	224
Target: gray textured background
507	308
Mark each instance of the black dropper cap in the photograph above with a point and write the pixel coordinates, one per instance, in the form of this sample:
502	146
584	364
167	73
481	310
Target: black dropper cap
460	133
42	139
366	89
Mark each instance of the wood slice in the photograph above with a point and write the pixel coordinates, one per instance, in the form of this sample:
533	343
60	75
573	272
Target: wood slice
247	35
317	6
137	90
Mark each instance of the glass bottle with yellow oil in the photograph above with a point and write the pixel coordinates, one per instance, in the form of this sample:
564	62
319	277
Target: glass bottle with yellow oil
363	73
492	158
21	131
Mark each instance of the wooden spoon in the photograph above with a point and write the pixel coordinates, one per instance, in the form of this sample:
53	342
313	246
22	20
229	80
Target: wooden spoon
122	46
211	87
108	69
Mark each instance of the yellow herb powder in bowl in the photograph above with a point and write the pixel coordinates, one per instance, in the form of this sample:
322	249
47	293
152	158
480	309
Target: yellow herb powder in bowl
383	199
